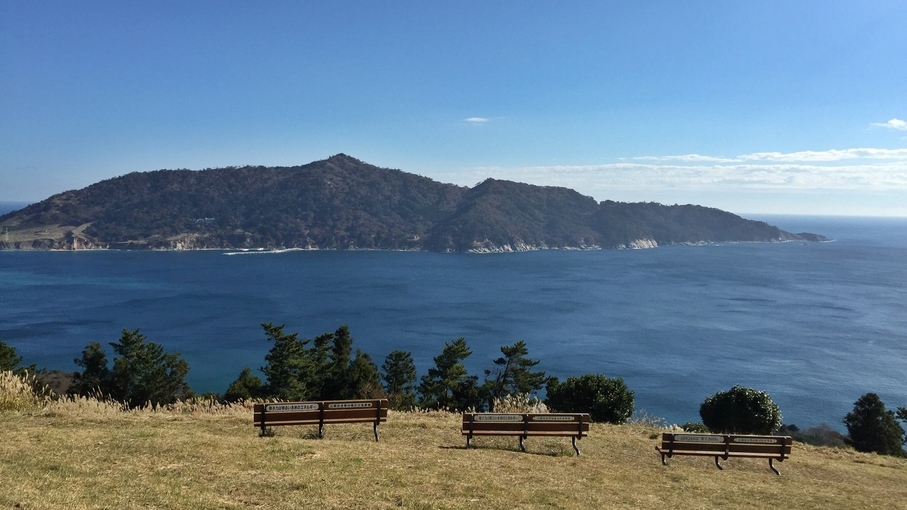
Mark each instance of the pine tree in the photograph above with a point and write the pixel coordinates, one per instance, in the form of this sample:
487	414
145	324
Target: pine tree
872	428
143	372
8	359
399	375
363	381
94	380
246	387
288	371
448	384
513	374
337	383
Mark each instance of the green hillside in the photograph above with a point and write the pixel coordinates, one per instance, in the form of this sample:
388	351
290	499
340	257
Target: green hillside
344	203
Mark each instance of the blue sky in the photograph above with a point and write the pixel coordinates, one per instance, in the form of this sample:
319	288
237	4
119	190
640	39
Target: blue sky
753	107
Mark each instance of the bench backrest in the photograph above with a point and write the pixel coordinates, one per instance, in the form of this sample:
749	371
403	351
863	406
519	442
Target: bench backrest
320	412
575	424
721	444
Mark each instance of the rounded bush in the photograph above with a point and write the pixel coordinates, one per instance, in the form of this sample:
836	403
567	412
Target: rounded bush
740	411
695	427
606	400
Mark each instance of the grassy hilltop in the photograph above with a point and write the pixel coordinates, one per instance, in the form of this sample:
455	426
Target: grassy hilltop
87	454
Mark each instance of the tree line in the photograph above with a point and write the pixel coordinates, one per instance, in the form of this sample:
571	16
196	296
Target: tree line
324	368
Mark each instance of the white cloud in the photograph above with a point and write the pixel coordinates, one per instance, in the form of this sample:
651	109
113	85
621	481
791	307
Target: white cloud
792	157
476	120
829	155
880	170
687	157
892	124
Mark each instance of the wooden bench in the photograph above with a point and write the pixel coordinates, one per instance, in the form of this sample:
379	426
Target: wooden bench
726	446
321	412
575	425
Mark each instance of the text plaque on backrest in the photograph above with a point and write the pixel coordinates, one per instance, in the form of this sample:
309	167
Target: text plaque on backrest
288	408
498	417
698	439
554	418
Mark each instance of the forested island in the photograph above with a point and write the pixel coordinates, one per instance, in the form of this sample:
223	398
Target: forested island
343	203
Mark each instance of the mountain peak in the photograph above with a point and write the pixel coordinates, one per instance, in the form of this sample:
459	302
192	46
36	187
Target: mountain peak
345	203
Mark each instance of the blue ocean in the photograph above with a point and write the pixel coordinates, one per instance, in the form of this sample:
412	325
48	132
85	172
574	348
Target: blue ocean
816	325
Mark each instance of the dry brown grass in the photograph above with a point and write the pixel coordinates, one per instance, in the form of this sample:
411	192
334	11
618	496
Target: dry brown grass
87	454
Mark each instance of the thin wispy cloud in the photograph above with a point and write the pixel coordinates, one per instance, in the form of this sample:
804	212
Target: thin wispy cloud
865	169
793	157
693	158
898	124
476	120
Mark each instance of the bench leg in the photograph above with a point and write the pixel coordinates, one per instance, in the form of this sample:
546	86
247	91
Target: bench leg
772	466
376	432
468	442
574	446
320	431
718	463
522	446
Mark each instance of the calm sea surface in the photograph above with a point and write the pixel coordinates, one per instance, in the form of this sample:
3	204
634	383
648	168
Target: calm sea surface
814	324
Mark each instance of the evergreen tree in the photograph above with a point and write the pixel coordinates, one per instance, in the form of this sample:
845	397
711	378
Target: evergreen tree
337	383
8	359
94	380
288	371
399	375
872	428
144	373
362	380
448	384
319	355
901	414
513	374
324	371
246	387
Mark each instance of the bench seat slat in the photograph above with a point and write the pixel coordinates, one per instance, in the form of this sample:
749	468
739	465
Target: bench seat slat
775	455
271	421
681	448
330	416
528	433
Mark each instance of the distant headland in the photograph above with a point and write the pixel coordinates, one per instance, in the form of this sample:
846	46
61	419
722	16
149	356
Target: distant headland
342	203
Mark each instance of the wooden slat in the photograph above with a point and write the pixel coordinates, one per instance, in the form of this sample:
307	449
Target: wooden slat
732	453
683	447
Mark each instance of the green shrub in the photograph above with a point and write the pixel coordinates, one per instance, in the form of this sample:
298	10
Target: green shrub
740	411
246	387
695	427
822	435
606	400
